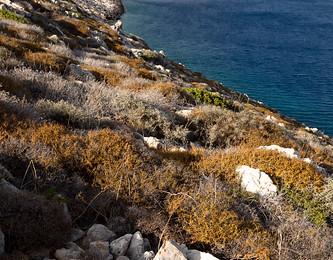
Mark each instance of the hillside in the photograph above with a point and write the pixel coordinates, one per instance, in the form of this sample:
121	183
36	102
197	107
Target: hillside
108	148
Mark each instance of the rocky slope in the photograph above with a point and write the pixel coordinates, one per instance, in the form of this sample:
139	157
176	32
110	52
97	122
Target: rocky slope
109	150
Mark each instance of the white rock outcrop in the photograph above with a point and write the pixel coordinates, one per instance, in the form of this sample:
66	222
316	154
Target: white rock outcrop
153	142
256	181
289	152
170	250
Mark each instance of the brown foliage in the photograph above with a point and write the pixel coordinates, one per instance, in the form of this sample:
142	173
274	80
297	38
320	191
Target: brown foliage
46	61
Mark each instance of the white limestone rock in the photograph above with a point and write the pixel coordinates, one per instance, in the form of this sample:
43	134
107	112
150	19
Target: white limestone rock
148	255
255	181
185	112
119	246
136	247
170	251
289	152
153	142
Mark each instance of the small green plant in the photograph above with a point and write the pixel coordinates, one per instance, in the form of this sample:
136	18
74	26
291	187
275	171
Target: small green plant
5	14
210	98
316	212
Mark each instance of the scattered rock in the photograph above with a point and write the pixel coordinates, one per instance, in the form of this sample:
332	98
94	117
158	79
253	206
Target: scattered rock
100	250
76	234
117	26
136	247
197	255
185	112
54	38
99	232
119	246
255	181
148	255
153	142
170	251
71	252
289	152
2	243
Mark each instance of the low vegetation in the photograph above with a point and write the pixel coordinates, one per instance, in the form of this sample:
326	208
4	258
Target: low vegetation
79	140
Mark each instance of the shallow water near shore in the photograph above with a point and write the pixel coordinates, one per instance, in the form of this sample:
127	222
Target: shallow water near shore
278	52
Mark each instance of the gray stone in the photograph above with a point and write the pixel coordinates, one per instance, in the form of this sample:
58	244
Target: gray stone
119	246
76	234
99	232
2	243
170	251
148	255
99	250
71	252
197	255
136	247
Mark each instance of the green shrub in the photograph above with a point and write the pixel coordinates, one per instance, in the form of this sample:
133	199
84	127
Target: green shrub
316	211
210	98
5	14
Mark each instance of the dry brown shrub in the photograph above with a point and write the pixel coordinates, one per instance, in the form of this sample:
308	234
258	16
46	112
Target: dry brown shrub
110	76
46	61
19	46
208	219
293	173
73	26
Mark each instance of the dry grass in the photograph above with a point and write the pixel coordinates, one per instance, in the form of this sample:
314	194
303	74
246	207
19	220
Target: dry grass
73	26
111	77
293	173
46	61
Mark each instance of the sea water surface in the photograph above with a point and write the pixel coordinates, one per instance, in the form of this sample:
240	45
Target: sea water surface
279	52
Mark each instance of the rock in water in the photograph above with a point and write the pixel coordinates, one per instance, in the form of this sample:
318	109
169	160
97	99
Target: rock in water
2	243
170	251
119	246
136	248
255	181
99	232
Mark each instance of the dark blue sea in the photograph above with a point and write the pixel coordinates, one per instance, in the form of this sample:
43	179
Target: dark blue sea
279	52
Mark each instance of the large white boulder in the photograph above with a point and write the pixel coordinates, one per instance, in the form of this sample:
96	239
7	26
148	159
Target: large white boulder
153	142
256	181
170	251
